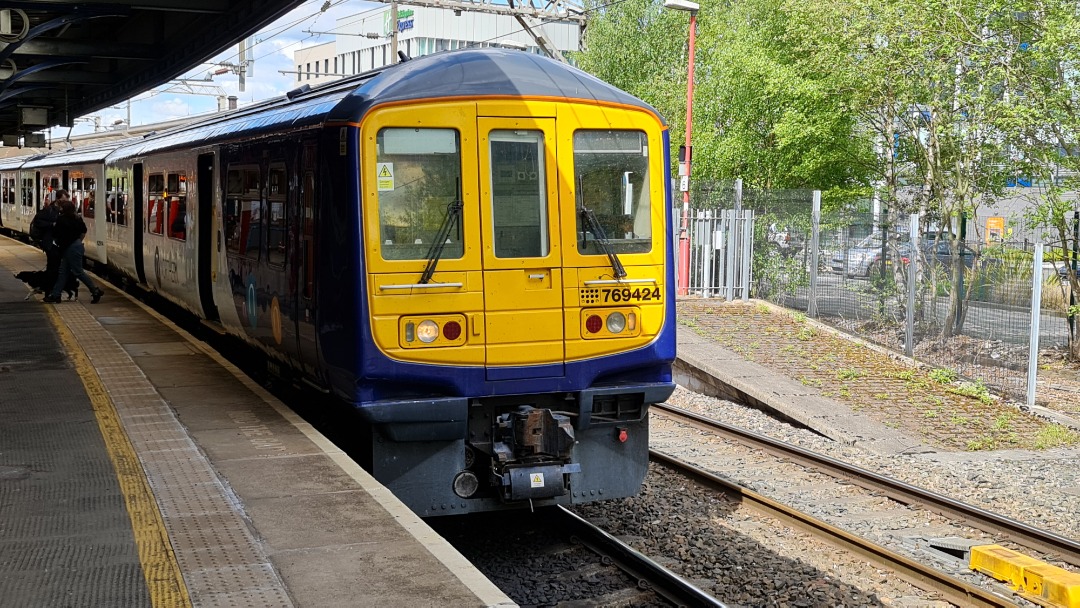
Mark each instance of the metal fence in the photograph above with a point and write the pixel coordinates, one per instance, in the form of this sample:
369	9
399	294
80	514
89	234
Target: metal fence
894	280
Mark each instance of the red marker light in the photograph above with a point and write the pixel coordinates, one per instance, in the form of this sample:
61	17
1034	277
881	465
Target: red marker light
623	436
451	330
593	324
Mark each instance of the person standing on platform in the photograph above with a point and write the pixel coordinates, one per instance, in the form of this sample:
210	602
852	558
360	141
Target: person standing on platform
69	233
41	230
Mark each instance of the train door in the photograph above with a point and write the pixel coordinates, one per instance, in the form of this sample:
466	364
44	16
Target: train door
207	235
523	291
138	204
305	267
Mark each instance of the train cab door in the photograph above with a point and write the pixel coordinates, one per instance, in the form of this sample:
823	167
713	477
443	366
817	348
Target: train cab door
522	260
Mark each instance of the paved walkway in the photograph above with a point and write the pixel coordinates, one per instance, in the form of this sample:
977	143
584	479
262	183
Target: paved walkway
846	389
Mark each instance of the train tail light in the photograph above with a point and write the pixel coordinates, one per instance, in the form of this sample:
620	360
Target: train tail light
594	323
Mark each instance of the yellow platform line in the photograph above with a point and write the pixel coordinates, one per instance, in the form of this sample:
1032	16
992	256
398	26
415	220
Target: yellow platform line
159	565
1045	584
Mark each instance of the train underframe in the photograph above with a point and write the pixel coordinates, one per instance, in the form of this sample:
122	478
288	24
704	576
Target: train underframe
458	455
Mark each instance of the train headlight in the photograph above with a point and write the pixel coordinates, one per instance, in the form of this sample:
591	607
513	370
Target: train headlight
427	331
616	322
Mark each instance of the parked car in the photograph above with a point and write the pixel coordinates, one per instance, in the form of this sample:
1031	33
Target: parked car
939	253
864	258
785	239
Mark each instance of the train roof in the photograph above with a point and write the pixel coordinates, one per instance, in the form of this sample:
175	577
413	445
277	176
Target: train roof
16	162
95	153
465	73
482	72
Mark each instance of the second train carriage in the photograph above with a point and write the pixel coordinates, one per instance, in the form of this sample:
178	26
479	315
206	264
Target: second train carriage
472	248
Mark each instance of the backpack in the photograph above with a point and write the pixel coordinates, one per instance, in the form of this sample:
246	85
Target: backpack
41	225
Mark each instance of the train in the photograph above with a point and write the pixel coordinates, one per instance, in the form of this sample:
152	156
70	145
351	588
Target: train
472	249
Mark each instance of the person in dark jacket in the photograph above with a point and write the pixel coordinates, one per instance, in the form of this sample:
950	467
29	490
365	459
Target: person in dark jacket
41	229
68	234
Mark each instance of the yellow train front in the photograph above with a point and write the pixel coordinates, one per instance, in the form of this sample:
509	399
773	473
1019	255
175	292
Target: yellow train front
517	305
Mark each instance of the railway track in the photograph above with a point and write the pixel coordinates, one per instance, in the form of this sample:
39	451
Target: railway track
922	575
1054	546
555	558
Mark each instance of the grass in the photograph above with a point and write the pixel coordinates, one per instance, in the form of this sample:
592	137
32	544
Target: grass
943	375
975	390
1055	435
805	334
848	374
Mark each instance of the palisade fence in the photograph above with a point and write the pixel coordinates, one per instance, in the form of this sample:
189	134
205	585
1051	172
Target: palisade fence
852	270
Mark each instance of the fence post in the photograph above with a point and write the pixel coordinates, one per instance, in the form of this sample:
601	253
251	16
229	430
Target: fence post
708	250
1036	314
1075	251
747	251
815	241
913	280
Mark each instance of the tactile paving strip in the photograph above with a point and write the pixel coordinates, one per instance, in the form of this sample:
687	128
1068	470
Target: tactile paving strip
222	563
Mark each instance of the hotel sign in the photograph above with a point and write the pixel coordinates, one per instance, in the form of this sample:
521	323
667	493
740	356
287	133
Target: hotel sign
404	21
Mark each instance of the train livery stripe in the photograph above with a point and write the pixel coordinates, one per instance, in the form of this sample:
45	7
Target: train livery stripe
160	568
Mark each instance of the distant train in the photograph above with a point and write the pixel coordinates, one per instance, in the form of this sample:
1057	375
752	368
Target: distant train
472	248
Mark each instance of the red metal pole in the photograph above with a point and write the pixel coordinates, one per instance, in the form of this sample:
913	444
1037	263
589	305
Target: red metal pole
684	232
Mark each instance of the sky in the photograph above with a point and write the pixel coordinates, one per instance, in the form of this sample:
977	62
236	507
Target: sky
273	47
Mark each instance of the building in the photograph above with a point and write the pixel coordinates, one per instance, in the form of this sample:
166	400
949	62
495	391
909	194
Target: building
363	40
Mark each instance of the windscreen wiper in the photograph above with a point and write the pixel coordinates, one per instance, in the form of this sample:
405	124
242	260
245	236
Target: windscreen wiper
450	219
589	221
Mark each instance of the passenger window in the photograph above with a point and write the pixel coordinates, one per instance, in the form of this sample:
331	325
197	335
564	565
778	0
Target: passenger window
418	175
87	196
243	214
28	192
176	196
518	194
276	236
155	206
307	223
611	177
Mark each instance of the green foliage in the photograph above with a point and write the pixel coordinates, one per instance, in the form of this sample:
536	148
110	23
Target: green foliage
943	375
848	374
1056	435
975	390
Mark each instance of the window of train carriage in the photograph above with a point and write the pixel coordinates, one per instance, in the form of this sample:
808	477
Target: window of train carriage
611	173
424	166
5	196
519	206
28	192
176	197
155	204
276	236
243	211
88	194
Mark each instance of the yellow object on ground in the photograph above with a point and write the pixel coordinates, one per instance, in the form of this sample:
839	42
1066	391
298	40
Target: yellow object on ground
1051	584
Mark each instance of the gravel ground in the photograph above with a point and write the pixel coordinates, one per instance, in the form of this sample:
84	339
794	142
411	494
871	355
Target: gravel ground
1040	488
741	557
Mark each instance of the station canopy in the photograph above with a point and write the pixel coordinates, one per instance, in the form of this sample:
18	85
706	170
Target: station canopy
60	60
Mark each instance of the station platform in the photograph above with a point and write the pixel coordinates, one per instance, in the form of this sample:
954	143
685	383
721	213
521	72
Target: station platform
139	468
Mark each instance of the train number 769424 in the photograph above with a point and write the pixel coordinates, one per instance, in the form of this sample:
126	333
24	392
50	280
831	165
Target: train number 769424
637	294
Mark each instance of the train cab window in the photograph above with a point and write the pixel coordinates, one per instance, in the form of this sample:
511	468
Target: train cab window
155	204
418	174
176	205
611	168
276	241
518	194
243	211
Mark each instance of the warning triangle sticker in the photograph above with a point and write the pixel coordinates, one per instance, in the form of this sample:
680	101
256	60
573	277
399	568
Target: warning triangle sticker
385	172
